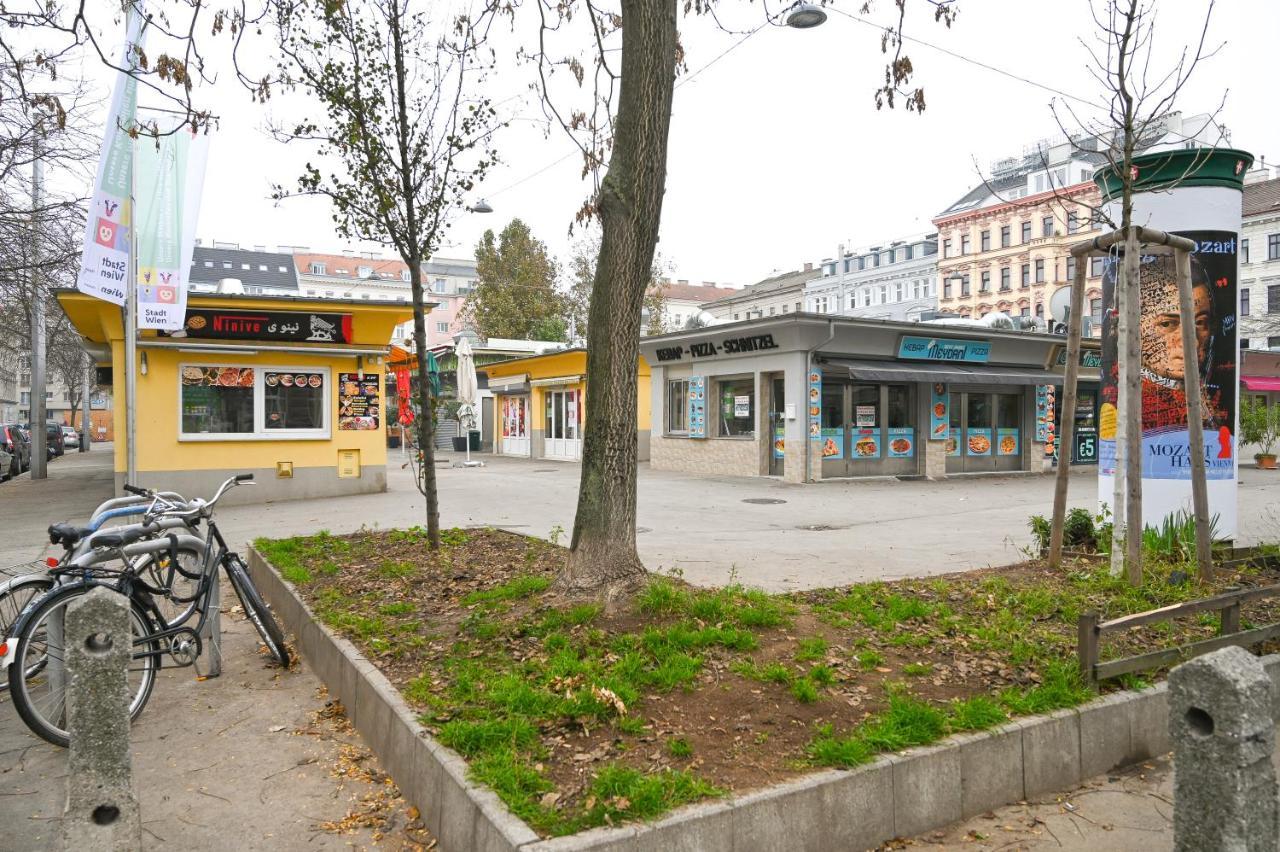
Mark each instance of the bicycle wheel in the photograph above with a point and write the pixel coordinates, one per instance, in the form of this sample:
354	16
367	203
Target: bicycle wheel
256	608
40	698
15	596
183	585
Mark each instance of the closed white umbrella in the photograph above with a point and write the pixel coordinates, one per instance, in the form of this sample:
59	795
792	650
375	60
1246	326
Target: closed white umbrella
468	392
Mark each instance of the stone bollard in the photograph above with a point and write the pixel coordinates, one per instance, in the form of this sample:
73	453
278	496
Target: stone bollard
102	810
1223	731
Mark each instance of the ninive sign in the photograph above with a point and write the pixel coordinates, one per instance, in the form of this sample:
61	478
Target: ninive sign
943	349
294	326
709	348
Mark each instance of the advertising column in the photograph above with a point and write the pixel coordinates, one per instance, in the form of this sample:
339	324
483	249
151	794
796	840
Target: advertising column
1194	193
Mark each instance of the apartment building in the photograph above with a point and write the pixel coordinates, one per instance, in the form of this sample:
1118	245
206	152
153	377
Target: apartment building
683	303
776	295
259	271
1259	256
893	282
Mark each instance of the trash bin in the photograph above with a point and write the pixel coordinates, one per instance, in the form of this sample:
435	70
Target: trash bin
475	440
459	444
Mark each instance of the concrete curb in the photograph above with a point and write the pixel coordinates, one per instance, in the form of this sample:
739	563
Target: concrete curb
895	796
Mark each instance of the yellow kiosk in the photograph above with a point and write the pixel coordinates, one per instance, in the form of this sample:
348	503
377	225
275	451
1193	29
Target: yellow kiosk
286	388
539	405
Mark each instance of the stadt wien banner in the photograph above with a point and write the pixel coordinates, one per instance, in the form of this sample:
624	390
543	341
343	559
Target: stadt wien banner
104	264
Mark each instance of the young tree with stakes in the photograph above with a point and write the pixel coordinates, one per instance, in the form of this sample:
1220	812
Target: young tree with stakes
407	139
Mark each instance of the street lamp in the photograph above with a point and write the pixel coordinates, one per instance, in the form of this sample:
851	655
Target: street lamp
805	16
482	206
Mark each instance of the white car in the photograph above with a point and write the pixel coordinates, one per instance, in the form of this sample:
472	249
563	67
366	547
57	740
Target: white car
70	438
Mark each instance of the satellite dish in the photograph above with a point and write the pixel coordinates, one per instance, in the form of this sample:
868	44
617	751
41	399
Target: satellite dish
1060	304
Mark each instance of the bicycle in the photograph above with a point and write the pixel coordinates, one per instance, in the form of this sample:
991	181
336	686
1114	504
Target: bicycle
39	694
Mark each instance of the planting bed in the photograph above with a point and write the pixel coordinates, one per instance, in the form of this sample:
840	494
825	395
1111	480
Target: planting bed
577	718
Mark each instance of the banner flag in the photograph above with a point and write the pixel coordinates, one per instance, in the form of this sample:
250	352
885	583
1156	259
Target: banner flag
168	185
104	263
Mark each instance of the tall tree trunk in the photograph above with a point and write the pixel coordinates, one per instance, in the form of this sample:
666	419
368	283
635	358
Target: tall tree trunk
603	557
426	424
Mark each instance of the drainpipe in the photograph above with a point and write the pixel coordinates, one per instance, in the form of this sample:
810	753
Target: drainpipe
808	368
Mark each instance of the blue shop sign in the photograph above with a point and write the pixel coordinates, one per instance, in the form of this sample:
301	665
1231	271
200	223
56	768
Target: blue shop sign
944	349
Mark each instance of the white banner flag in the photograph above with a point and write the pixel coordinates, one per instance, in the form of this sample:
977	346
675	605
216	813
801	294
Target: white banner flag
168	185
104	264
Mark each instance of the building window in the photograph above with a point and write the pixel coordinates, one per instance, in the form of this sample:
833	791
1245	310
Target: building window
1026	232
786	308
1040	310
1026	311
866	298
442	328
1244	251
899	292
1244	303
884	294
772	310
293	401
964	285
233	401
218	400
226	264
1095	312
820	305
1040	270
1273	343
737	408
1071	268
209	263
985	286
946	248
316	268
1073	222
919	289
1026	275
1273	246
1046	226
1096	266
1273	299
946	288
1004	278
985	241
735	316
797	306
909	251
964	244
678	407
1005	236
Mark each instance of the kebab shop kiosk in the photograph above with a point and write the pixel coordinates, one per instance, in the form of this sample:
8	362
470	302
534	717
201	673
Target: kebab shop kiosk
807	397
288	389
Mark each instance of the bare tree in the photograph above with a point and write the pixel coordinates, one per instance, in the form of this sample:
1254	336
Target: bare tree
407	139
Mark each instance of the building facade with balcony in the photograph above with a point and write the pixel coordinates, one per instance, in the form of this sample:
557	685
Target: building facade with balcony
895	282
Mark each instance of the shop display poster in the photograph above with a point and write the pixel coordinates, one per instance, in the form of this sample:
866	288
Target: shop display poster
1007	442
359	403
1165	438
978	442
865	416
697	410
939	416
742	406
901	442
815	406
866	444
832	444
779	444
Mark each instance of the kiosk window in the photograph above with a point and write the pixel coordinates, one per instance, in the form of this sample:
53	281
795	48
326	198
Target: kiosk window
217	400
979	411
293	400
737	408
899	407
1007	411
678	407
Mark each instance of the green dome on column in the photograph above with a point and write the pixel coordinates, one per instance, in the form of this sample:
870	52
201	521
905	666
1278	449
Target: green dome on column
1161	170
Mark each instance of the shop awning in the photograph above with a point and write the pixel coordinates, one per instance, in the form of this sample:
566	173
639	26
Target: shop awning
1261	383
971	374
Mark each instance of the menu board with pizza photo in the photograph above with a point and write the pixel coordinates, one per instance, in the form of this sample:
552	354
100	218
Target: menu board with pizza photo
359	402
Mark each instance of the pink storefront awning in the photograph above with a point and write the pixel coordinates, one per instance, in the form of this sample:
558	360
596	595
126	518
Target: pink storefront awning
1261	383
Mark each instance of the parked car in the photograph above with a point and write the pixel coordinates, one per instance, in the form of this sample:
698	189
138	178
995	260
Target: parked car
6	466
14	442
70	438
53	442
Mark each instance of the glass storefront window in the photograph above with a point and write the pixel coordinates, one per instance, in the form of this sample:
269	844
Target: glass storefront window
737	404
217	400
678	407
899	407
979	411
832	407
866	406
293	400
1007	414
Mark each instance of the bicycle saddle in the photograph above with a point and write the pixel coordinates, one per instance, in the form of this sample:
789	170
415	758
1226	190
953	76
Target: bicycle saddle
67	535
120	539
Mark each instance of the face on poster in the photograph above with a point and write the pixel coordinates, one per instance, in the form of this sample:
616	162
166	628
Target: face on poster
1165	441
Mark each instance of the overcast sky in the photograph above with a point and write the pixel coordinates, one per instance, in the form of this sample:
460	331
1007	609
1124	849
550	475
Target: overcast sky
777	151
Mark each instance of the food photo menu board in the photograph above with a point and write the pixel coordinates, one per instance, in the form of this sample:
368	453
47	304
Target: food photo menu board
939	427
814	406
697	411
358	402
901	442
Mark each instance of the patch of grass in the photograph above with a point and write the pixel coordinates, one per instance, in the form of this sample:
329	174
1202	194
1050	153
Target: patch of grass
661	597
870	659
917	669
907	722
520	587
975	714
396	570
770	673
804	690
621	792
397	608
295	574
633	725
474	738
811	648
1059	688
679	748
822	675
